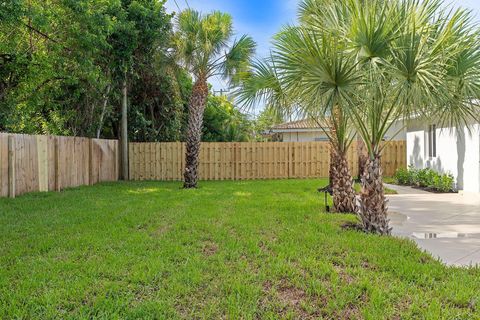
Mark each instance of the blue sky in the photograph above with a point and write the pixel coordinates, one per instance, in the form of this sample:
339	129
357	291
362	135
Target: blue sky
261	19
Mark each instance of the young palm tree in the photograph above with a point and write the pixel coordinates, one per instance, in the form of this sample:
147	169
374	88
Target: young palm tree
279	81
323	78
413	59
201	43
285	82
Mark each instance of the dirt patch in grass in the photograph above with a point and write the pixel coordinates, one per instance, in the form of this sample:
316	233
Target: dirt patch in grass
291	295
352	311
209	248
344	276
367	265
263	247
400	308
292	299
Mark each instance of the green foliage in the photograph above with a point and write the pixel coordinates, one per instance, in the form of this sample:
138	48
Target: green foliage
223	122
380	61
443	182
403	177
268	118
62	64
425	178
201	43
249	249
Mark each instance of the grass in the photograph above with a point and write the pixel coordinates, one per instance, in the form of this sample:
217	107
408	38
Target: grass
234	250
389	180
389	191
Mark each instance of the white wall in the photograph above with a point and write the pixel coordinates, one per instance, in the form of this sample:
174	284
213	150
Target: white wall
303	136
458	153
398	131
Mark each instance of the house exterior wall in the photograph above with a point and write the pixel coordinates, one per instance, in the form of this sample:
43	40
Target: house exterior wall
458	152
396	130
304	136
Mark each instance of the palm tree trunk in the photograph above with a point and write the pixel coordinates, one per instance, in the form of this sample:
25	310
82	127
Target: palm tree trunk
197	104
362	157
344	200
373	205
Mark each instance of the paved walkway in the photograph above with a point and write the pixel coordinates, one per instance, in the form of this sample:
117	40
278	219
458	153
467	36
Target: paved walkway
446	225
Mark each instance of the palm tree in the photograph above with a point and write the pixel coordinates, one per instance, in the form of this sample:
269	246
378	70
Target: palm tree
279	81
413	58
201	43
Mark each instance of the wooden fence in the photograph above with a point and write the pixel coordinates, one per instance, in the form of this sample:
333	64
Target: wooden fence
256	160
47	163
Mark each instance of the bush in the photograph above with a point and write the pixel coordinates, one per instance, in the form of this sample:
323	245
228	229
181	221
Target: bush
403	177
444	183
425	178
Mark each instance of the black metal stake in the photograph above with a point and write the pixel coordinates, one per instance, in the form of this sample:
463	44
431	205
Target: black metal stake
327	190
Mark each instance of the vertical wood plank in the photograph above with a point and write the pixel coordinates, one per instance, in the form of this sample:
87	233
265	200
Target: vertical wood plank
57	164
42	151
3	165
11	167
90	162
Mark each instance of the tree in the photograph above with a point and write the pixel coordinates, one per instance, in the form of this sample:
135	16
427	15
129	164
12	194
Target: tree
200	44
62	68
404	58
137	28
268	118
223	122
282	81
51	50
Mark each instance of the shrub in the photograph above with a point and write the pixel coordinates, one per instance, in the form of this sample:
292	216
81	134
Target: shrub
444	183
425	178
403	177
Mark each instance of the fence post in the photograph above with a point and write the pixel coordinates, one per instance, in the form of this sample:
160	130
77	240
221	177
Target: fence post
57	164
117	161
11	167
90	162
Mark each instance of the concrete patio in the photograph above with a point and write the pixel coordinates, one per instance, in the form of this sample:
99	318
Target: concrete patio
446	225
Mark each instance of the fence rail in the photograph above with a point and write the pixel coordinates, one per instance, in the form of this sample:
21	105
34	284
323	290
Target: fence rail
245	161
31	163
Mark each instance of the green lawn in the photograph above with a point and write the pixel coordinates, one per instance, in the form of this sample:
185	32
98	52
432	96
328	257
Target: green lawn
358	188
251	250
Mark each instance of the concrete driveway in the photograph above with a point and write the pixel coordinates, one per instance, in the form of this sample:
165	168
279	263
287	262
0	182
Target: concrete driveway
446	225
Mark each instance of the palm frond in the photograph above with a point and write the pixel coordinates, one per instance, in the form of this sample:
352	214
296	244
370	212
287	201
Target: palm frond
202	45
237	61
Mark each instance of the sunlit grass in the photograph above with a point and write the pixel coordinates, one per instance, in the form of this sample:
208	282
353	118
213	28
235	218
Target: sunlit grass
250	249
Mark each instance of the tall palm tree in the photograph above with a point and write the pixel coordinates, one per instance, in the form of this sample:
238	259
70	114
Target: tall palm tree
202	46
413	58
